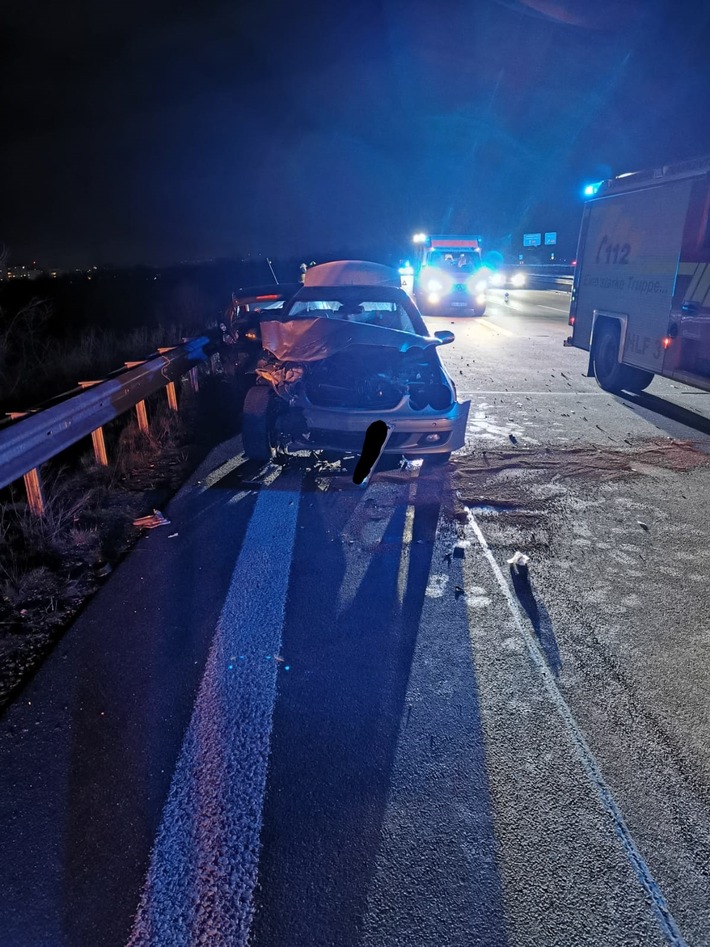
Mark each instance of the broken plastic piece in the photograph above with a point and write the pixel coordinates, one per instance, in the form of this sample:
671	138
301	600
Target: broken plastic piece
643	526
519	562
149	522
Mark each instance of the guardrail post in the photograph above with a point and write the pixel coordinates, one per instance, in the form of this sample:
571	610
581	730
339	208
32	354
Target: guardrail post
213	363
194	382
170	387
97	439
142	415
97	436
35	494
172	395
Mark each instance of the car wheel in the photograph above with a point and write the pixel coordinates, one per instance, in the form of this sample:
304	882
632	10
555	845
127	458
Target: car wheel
610	374
479	311
257	423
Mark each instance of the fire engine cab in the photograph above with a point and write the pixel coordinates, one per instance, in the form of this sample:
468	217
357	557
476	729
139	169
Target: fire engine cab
449	276
641	296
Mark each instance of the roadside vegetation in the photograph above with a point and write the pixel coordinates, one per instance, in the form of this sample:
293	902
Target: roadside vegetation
36	366
51	565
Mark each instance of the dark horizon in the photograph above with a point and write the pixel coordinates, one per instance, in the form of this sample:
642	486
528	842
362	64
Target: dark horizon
154	133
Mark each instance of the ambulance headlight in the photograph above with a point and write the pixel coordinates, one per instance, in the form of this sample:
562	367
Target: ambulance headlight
433	298
518	280
434	286
476	284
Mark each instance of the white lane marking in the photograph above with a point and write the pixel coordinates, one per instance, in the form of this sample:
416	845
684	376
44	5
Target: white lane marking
203	866
665	919
567	394
214	476
553	309
494	327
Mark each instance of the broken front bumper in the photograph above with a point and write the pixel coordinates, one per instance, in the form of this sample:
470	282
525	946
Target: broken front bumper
344	429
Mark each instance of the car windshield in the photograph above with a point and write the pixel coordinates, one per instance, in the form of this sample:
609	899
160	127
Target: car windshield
364	307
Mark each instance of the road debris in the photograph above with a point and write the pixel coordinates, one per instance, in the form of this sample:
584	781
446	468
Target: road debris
513	439
644	526
518	563
458	591
156	518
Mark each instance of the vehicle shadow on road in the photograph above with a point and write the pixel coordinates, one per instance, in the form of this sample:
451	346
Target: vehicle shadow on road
349	639
539	619
666	415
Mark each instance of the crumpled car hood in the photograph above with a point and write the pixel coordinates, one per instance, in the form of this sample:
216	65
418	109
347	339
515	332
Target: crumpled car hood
313	339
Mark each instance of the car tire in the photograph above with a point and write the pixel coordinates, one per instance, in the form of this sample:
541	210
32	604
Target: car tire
257	423
479	312
610	374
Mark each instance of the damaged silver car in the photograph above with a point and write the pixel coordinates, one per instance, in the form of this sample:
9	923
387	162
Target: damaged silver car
350	348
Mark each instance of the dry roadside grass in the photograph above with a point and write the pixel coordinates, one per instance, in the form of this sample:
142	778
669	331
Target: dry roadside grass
35	366
50	566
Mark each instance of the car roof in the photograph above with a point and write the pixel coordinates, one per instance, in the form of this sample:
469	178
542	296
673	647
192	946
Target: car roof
352	273
359	290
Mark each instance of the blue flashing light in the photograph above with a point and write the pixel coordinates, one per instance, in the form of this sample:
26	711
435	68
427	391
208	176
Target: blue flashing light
591	189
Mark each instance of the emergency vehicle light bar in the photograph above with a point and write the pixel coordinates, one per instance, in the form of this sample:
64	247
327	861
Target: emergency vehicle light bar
470	243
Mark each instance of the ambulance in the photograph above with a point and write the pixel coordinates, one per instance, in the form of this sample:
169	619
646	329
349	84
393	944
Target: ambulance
641	294
449	276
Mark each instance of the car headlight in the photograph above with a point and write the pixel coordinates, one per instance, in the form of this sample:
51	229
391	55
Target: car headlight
434	286
480	300
433	298
497	279
481	286
518	280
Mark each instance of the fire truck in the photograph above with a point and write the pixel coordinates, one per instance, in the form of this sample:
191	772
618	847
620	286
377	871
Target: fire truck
449	276
641	295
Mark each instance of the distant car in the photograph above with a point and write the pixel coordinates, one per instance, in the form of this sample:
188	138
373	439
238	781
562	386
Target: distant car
508	279
349	348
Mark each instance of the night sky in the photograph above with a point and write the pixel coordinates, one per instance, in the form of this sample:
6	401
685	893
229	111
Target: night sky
159	132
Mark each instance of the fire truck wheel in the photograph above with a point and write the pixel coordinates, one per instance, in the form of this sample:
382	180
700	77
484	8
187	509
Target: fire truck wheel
257	423
610	374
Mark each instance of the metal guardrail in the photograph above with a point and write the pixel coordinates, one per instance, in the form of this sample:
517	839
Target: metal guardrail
39	436
549	275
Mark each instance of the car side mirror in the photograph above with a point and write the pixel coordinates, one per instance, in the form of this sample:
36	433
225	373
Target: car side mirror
445	337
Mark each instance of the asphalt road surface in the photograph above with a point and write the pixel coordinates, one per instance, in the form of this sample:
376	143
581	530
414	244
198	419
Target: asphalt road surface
308	714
